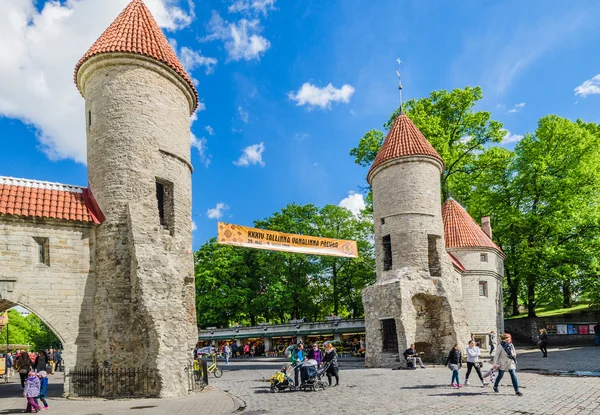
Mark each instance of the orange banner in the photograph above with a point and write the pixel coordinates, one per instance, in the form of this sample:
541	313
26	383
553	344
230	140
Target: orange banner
278	241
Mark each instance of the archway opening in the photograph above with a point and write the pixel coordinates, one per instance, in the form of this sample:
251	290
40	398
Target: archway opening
24	332
432	326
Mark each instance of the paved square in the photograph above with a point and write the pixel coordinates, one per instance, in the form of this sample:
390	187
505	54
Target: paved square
383	391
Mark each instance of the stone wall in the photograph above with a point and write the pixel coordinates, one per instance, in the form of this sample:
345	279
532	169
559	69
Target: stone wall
484	313
525	331
421	292
61	293
138	136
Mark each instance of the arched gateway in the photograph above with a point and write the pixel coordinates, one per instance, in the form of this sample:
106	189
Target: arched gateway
110	267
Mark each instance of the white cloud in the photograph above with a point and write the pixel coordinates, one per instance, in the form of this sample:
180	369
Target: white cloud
192	59
200	144
321	97
242	39
243	114
209	130
252	6
39	51
511	138
354	202
194	227
301	136
516	108
589	87
251	155
218	211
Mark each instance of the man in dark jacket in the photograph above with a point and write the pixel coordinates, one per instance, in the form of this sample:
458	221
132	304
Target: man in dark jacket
411	355
597	331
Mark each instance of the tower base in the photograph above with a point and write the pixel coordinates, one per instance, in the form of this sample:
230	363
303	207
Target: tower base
426	311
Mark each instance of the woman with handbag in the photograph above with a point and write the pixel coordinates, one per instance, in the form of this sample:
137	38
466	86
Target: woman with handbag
473	354
506	360
24	365
543	342
454	364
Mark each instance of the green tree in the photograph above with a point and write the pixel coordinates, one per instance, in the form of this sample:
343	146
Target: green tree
28	330
458	133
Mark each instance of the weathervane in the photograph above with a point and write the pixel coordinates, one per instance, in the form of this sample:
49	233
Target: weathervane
399	83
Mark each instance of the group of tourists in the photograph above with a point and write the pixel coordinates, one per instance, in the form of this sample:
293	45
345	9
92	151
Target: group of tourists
505	360
33	369
299	356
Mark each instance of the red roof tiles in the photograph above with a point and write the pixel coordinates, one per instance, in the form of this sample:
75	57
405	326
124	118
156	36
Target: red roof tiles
136	31
403	139
30	198
460	230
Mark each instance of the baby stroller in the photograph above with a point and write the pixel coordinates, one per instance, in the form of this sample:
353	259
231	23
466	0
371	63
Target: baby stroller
312	376
282	380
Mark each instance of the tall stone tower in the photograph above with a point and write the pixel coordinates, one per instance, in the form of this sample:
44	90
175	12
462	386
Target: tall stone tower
138	102
417	298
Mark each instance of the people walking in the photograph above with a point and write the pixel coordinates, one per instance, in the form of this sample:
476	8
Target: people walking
297	357
226	351
506	360
247	350
58	360
315	353
43	388
473	353
454	364
32	391
492	342
41	361
9	365
24	365
234	350
330	356
597	332
543	342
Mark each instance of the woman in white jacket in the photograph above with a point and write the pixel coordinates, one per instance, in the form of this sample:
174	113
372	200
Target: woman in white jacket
473	354
506	360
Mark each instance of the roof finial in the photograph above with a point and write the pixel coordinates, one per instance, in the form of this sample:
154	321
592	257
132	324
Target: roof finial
399	83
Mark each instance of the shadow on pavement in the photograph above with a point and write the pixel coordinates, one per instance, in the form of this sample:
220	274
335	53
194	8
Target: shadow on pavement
13	411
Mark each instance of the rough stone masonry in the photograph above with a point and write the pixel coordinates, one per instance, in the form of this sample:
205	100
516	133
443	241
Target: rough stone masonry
417	297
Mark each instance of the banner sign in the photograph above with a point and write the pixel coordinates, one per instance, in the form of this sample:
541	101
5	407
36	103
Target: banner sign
4	319
278	241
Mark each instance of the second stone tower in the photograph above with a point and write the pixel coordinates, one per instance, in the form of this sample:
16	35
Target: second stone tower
417	298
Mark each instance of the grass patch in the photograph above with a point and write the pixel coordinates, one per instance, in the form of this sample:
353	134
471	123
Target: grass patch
553	311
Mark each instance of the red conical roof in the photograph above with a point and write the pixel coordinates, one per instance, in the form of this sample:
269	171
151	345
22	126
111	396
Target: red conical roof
403	139
461	231
136	31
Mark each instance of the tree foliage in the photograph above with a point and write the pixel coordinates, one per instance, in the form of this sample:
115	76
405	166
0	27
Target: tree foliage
28	330
543	197
248	286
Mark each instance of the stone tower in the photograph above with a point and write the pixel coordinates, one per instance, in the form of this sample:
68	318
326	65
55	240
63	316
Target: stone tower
138	102
483	261
417	297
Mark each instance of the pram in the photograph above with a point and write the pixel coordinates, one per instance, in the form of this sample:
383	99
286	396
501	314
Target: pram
312	377
282	380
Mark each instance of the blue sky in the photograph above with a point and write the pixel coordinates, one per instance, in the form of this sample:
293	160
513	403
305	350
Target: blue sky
278	132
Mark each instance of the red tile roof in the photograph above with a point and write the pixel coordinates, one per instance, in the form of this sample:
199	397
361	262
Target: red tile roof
461	231
31	198
136	31
403	139
456	262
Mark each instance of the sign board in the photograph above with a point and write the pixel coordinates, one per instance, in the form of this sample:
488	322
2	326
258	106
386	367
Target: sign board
4	319
237	235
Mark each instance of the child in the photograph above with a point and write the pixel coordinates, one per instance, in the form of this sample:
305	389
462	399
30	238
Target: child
32	390
43	387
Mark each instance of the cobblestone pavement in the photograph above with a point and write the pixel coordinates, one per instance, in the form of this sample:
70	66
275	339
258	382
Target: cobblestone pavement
384	391
210	401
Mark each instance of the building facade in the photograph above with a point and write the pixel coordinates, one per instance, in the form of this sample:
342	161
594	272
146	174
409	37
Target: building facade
119	252
427	287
